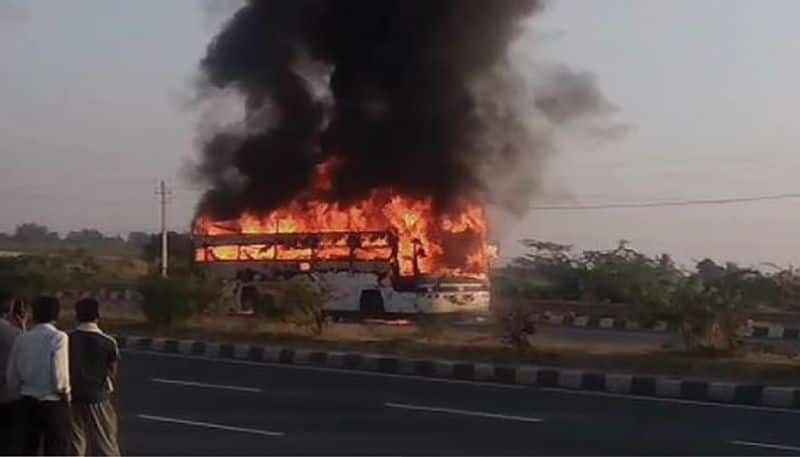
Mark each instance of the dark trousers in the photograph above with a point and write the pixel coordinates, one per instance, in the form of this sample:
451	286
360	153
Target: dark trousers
9	431
45	425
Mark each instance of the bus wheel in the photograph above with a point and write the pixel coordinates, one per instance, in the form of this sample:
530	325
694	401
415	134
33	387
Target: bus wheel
335	316
371	303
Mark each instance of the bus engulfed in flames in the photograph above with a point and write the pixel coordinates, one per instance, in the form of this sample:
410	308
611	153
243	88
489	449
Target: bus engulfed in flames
389	227
412	242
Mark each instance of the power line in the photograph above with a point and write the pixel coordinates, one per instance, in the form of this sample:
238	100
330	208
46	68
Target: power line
183	193
661	204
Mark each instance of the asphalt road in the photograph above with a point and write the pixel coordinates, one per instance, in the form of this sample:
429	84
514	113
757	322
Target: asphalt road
177	405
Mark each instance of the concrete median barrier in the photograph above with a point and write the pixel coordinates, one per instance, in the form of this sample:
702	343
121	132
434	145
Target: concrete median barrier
523	375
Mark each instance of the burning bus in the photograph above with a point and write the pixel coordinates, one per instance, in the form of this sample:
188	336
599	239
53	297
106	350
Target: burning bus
363	145
387	254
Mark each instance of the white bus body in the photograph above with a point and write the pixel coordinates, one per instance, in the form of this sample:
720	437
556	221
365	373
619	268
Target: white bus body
366	293
351	283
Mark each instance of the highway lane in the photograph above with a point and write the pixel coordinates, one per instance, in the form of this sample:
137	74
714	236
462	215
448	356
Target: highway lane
191	406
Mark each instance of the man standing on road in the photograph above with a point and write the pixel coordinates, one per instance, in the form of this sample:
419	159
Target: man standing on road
38	372
8	400
93	358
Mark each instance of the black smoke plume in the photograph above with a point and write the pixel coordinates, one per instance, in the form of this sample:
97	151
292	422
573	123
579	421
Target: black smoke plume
409	94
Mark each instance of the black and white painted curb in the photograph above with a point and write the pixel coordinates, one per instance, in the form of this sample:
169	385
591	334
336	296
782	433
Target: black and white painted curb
757	330
650	386
608	323
774	331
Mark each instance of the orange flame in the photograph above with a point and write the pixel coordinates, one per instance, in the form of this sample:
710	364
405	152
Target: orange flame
452	244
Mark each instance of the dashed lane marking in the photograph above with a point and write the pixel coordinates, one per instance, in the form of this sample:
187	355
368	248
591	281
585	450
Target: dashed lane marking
205	385
173	420
462	412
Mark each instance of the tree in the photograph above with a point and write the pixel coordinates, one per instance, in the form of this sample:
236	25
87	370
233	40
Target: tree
28	276
548	271
180	245
624	275
138	240
787	285
86	237
94	241
169	301
619	275
707	305
34	233
708	270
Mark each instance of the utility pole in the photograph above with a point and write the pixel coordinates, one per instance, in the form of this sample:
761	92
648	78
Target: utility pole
163	194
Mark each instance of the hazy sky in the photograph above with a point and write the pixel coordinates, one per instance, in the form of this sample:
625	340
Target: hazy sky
93	111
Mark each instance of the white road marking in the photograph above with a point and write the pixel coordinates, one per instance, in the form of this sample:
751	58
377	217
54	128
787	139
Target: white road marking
767	446
462	412
323	369
209	386
173	420
670	400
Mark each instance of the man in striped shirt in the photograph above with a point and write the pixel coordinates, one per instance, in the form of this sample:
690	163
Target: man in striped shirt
93	358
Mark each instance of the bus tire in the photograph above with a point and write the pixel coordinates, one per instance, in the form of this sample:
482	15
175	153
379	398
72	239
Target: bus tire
370	303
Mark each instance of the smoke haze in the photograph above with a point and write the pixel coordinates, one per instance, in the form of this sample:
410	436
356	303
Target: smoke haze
419	96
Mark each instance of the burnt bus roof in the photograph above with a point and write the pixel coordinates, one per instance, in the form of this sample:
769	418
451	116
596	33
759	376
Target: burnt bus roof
367	246
284	238
456	280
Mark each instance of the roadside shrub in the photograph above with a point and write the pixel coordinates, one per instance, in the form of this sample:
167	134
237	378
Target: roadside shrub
28	276
169	301
429	328
266	306
516	325
303	303
707	313
208	294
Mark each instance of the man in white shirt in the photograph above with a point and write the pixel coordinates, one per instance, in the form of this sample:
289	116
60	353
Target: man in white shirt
38	372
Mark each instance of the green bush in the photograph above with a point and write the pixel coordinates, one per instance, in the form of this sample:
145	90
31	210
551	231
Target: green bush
168	301
708	310
303	303
28	276
266	306
429	328
516	324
